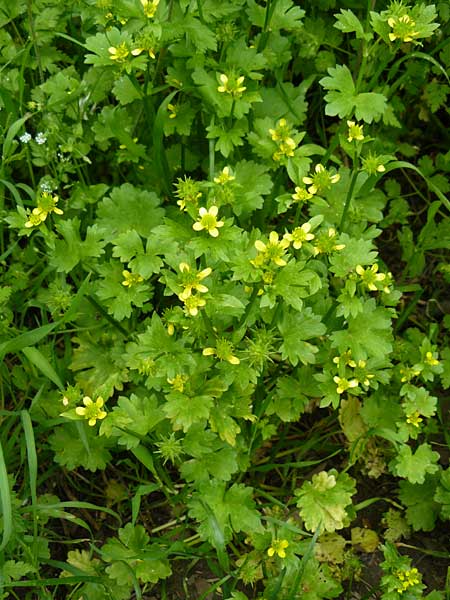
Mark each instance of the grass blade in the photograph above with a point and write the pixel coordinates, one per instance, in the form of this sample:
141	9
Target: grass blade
5	502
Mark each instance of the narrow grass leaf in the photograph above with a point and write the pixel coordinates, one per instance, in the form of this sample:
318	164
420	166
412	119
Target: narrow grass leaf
36	357
5	499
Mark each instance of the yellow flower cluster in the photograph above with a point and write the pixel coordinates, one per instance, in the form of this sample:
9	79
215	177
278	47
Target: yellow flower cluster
359	376
190	281
46	205
282	136
407	579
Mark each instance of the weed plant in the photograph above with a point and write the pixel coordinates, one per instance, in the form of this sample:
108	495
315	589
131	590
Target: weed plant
223	305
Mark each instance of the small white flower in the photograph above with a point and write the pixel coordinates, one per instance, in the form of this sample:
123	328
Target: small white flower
25	138
46	187
40	138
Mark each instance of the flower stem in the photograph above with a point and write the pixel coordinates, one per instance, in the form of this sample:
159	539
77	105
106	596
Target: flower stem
348	199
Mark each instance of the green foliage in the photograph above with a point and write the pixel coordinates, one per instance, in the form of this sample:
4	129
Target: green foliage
323	502
223	273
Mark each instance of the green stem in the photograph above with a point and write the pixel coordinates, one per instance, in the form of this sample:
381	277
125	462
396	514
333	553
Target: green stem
348	200
34	38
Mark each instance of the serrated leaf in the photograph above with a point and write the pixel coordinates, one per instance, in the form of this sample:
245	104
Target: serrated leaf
421	509
296	328
323	501
348	22
414	466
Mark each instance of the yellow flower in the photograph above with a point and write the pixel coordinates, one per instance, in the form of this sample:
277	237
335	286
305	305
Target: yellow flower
370	277
344	384
92	411
223	351
192	304
355	132
273	251
151	53
178	382
36	218
300	235
46	204
301	194
188	191
230	84
173	109
414	418
150	7
321	180
431	359
373	164
131	279
224	176
402	28
278	547
119	53
346	358
190	280
285	148
407	578
208	220
326	244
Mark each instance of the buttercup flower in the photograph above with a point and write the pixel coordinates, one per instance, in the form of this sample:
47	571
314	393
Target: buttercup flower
230	84
321	180
150	7
278	547
119	53
223	351
355	132
91	411
35	219
208	220
282	136
326	243
402	28
301	195
188	192
370	276
373	164
344	384
224	176
300	235
431	359
414	418
173	110
191	280
273	251
192	304
131	279
178	382
47	204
